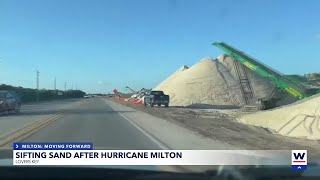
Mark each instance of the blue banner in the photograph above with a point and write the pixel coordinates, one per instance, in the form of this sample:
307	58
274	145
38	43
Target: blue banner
299	167
52	146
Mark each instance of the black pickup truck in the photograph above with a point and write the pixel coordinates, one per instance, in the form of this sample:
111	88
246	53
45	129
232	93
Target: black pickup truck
156	98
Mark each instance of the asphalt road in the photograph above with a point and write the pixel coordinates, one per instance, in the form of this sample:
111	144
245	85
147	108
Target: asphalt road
85	120
31	113
93	121
47	107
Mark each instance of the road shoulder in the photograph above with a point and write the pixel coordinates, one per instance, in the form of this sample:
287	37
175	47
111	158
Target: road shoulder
170	134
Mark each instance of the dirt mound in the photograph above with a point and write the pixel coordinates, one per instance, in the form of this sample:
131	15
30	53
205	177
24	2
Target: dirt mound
298	120
212	82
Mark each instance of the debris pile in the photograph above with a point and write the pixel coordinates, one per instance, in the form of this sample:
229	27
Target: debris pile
138	97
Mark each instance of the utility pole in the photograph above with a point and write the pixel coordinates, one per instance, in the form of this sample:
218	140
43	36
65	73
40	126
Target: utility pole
37	77
55	85
65	86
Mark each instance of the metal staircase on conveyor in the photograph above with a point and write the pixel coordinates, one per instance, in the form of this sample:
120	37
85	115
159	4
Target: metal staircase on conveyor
295	89
245	87
245	84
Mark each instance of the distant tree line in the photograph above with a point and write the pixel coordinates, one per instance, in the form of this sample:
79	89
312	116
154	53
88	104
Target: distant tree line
30	95
314	78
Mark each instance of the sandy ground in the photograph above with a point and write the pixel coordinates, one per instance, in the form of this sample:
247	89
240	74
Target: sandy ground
301	119
222	125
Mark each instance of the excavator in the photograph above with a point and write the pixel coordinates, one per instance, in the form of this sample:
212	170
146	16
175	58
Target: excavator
284	84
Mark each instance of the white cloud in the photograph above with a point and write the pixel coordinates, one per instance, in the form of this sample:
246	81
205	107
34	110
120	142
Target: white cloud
2	59
103	83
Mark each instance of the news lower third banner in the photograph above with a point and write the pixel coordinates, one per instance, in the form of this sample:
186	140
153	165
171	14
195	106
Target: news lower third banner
83	154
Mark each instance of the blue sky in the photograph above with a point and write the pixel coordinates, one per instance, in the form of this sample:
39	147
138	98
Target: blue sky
99	45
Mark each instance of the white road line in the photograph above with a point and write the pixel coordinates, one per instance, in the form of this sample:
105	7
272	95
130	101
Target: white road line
160	144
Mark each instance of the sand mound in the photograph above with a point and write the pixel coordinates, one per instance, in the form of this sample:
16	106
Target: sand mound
261	87
298	120
213	82
207	82
164	84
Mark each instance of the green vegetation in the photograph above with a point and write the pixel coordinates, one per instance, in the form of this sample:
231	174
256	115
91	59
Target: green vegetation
30	95
314	78
299	79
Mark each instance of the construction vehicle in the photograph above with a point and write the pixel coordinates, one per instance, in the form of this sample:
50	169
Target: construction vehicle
294	88
133	91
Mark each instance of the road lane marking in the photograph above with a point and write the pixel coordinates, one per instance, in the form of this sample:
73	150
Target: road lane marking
32	128
28	130
155	140
144	132
161	145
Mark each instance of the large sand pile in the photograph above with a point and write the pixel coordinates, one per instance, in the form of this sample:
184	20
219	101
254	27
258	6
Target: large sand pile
207	82
211	82
301	119
164	84
261	87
